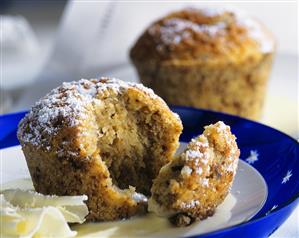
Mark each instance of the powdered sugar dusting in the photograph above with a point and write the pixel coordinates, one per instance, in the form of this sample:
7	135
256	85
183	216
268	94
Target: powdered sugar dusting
199	170
256	31
175	30
232	167
172	31
221	126
67	106
190	204
186	171
192	154
230	156
205	182
197	153
216	145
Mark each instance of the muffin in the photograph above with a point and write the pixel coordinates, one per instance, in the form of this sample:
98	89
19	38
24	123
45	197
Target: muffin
215	59
102	137
191	186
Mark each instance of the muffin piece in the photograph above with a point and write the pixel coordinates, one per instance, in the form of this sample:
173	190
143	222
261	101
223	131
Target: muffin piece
191	186
216	59
104	138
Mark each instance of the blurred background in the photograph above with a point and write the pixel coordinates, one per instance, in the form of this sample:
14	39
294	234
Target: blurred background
44	43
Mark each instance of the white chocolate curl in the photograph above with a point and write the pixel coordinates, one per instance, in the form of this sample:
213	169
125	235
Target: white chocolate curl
28	214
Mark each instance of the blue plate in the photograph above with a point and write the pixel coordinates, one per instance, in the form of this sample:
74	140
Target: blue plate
274	154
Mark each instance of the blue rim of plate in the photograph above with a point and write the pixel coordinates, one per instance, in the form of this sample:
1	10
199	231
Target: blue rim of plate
251	136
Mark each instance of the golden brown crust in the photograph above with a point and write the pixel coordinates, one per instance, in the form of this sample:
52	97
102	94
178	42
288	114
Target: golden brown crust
99	137
207	58
196	36
197	181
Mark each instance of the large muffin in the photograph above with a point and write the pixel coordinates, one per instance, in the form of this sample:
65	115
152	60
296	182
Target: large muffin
191	186
217	59
104	138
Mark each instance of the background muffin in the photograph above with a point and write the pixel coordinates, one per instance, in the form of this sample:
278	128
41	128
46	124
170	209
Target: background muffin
215	59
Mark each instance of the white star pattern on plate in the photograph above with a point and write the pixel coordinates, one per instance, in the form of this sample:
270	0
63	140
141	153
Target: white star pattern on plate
273	208
252	157
287	177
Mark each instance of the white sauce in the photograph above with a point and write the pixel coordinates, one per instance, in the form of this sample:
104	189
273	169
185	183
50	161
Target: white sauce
146	226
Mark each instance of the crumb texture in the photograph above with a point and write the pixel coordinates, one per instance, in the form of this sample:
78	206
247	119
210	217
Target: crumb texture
102	137
191	186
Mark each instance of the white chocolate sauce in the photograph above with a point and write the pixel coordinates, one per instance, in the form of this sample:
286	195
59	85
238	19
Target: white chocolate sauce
144	226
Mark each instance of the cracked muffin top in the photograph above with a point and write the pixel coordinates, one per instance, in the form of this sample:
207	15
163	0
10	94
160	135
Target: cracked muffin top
105	138
71	103
205	34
